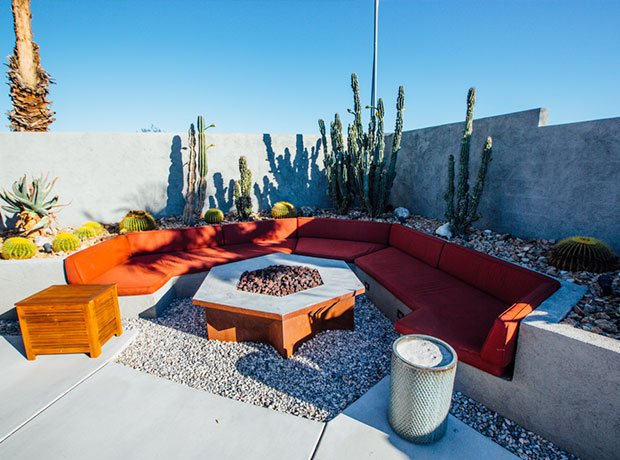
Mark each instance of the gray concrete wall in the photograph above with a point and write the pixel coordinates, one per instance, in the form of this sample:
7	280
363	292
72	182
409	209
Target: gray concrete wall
544	181
104	175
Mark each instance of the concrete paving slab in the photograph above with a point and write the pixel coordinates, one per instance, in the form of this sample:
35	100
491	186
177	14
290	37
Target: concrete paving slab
362	431
120	412
27	387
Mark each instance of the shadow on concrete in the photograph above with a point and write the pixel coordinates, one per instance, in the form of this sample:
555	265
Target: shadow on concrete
8	223
296	179
174	192
224	196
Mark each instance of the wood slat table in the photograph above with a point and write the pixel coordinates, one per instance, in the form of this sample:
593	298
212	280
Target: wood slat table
74	318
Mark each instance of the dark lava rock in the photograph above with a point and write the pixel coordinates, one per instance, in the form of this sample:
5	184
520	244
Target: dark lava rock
279	280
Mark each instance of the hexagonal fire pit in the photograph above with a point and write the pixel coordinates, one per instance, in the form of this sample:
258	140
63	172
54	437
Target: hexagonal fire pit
285	322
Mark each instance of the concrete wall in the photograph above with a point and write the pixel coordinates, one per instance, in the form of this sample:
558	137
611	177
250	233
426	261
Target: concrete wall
104	175
544	181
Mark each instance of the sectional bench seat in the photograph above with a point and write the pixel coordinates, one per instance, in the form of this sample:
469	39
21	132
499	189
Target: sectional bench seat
467	298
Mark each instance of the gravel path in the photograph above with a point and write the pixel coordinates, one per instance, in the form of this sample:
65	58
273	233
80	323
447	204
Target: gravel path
318	382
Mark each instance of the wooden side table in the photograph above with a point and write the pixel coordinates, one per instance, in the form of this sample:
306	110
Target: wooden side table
74	318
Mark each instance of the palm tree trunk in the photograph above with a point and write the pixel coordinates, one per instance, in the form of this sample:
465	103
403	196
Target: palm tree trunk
28	81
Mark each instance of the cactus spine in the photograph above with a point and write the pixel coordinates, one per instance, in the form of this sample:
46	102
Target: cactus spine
243	200
203	167
188	210
363	168
462	214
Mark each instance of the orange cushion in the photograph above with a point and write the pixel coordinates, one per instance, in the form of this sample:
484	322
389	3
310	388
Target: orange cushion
86	265
425	247
263	230
335	249
177	239
343	229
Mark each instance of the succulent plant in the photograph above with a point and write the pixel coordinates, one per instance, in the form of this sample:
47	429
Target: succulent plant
462	213
582	253
203	166
137	221
18	248
94	225
283	209
85	232
243	187
65	242
214	216
30	203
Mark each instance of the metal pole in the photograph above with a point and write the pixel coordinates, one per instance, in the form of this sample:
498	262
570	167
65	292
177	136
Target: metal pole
373	94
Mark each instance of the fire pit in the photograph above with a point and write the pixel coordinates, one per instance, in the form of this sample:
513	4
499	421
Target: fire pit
280	280
285	320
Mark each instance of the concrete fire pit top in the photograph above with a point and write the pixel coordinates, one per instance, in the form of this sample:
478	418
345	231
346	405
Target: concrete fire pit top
220	285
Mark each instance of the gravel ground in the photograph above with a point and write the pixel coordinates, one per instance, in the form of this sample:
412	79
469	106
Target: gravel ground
318	382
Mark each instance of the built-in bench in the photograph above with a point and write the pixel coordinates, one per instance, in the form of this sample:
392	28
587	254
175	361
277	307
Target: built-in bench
469	299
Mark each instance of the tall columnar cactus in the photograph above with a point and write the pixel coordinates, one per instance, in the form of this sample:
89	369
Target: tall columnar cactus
363	167
243	187
337	167
464	212
190	197
203	167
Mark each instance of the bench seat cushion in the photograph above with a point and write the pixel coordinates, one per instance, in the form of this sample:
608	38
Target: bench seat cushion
343	229
335	249
147	273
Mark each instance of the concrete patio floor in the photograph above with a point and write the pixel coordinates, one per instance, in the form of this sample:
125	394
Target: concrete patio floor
71	406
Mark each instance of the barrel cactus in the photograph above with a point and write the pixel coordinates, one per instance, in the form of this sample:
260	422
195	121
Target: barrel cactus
85	232
18	248
283	209
94	225
65	242
214	216
582	253
137	221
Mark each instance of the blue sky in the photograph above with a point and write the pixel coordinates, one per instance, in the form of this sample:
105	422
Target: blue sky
276	66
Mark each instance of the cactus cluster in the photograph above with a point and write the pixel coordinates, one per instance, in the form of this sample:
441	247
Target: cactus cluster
18	248
462	213
137	221
362	169
582	253
31	204
214	216
243	187
64	242
282	210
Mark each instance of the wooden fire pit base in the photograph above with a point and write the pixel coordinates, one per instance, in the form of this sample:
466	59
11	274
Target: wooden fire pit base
285	333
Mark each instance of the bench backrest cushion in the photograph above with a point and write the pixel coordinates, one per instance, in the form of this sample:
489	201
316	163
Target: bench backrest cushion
91	262
343	229
424	247
173	240
263	230
501	279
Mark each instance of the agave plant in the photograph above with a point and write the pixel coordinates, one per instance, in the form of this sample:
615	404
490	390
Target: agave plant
31	204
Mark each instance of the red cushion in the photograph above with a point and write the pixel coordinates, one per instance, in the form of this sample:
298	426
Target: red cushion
335	249
425	247
501	342
178	239
343	229
263	230
84	266
147	273
496	277
451	330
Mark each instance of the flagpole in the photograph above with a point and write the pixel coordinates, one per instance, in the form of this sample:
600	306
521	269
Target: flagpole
373	94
